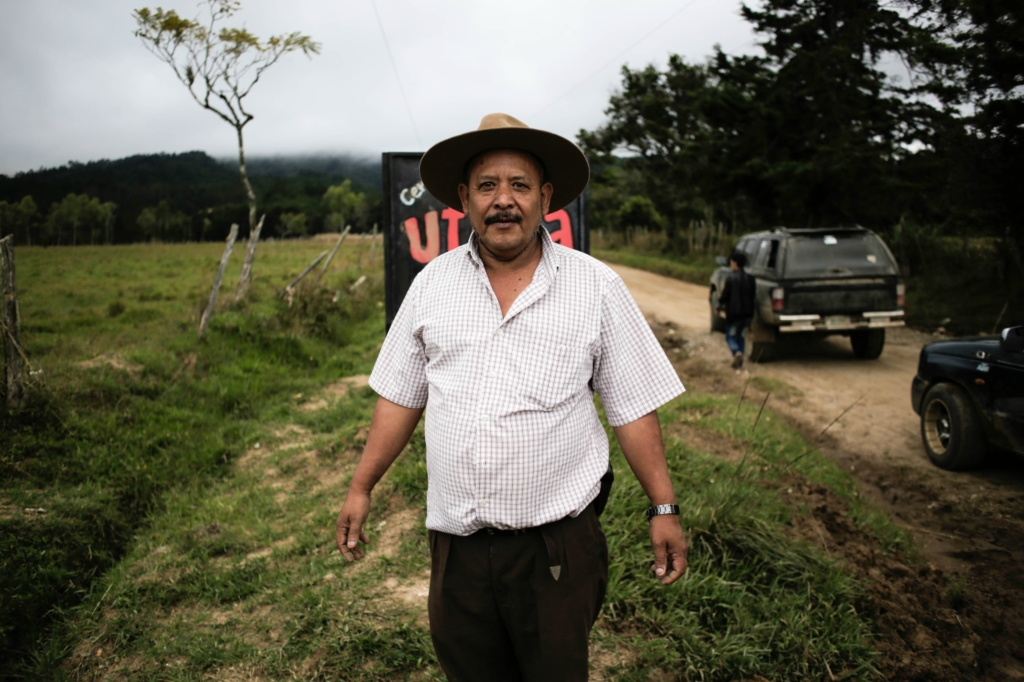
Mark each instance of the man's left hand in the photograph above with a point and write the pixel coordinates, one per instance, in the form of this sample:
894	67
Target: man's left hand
669	546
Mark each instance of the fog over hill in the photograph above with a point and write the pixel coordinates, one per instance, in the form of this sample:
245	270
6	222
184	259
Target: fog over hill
365	169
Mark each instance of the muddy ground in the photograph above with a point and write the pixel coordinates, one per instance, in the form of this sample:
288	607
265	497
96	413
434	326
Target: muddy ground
954	612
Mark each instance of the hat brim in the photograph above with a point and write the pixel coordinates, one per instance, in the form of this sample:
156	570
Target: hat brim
565	165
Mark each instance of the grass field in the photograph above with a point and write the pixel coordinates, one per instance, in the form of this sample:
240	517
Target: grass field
190	491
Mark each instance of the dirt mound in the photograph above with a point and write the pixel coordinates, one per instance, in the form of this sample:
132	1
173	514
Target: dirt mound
920	633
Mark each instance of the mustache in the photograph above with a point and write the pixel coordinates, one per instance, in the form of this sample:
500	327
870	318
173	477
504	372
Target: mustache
503	217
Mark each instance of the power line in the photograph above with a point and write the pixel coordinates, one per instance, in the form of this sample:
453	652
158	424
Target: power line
394	68
613	59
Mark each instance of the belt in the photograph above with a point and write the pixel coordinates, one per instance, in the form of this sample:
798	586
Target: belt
554	565
508	531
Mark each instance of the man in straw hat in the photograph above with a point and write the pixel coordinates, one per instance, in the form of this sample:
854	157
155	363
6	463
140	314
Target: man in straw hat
503	341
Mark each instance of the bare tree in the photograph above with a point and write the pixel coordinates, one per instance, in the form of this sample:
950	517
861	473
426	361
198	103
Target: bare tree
219	66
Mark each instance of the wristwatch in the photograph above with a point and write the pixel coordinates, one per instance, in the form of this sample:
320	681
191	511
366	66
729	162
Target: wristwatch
662	509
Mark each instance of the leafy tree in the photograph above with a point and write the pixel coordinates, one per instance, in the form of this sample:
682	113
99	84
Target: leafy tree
344	205
975	67
692	139
219	66
294	224
75	214
639	211
161	222
21	218
813	132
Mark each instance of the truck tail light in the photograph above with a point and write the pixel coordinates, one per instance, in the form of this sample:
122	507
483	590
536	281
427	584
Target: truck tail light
778	298
901	291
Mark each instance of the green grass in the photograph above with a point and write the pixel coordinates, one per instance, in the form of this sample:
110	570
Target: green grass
191	504
241	573
98	444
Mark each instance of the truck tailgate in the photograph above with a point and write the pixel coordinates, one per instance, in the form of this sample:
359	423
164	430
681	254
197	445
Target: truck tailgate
840	296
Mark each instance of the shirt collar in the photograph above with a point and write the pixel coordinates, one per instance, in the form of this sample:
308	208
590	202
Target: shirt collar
550	259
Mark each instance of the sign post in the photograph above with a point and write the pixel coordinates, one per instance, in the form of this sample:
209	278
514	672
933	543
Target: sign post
419	228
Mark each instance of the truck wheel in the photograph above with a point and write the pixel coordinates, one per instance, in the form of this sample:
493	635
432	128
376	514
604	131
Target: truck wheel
717	322
952	433
761	351
867	343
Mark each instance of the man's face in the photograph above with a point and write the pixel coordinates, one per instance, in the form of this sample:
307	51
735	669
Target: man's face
505	200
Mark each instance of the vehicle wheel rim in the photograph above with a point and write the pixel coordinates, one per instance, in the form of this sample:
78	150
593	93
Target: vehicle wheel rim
938	427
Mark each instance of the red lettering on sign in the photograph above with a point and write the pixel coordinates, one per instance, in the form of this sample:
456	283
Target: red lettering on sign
416	249
453	217
564	234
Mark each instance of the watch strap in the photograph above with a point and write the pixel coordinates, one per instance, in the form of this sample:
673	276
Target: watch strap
662	509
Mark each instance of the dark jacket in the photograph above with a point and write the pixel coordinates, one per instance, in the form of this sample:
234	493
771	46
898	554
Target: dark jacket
738	296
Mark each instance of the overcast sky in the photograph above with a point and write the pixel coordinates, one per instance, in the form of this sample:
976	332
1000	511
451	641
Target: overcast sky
75	84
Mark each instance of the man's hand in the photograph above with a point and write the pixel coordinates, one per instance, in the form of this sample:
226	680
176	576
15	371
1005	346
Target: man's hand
390	429
669	546
350	525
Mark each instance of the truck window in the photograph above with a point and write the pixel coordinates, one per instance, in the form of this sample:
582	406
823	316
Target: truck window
838	253
767	253
751	248
773	255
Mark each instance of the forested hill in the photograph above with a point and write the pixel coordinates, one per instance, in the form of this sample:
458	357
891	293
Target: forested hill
198	195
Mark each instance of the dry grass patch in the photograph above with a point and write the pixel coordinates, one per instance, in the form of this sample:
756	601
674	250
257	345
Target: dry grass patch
705	440
114	361
335	392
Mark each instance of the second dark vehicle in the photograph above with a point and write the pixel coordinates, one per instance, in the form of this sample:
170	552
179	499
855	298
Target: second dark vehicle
970	396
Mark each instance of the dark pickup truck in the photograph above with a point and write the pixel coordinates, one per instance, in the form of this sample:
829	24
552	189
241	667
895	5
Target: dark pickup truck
970	395
818	281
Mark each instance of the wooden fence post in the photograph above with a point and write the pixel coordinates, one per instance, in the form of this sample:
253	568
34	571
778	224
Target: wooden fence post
205	319
10	326
291	285
327	262
373	244
245	279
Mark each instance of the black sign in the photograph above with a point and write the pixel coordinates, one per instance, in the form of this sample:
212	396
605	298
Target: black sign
418	227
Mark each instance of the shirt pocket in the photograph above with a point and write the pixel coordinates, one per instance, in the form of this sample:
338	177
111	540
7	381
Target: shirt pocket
555	373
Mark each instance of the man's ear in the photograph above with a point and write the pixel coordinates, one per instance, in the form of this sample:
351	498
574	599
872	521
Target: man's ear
546	190
464	197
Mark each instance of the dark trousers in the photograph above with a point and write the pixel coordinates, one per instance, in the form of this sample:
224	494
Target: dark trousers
497	612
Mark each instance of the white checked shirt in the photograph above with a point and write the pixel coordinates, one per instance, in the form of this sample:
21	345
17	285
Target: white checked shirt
513	437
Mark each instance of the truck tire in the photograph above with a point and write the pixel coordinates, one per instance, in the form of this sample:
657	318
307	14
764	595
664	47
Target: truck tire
952	434
717	321
867	343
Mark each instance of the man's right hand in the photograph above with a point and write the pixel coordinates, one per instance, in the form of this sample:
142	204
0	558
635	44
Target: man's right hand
350	525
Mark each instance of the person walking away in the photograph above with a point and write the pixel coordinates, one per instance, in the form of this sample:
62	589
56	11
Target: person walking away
502	343
737	301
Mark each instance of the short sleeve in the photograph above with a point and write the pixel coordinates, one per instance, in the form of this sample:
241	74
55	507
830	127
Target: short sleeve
632	373
399	375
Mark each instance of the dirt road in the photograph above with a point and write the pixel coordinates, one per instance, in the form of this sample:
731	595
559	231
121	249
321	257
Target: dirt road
969	525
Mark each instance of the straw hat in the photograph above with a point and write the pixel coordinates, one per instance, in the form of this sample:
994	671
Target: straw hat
442	168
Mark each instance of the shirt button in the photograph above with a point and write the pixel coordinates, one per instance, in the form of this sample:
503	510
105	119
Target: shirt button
485	417
483	503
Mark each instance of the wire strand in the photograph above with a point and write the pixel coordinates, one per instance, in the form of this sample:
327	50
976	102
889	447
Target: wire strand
613	59
394	68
